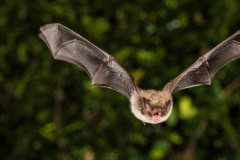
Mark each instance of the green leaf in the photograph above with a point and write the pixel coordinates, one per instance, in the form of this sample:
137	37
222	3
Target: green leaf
186	109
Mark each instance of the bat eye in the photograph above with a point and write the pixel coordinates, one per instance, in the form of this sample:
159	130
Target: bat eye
167	103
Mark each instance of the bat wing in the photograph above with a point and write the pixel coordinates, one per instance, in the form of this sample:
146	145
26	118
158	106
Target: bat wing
102	68
202	71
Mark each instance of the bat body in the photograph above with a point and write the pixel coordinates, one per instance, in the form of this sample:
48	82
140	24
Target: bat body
149	106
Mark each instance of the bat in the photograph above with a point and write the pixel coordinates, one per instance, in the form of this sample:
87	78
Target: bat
149	106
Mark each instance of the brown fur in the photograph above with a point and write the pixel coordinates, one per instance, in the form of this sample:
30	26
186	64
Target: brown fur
146	103
156	98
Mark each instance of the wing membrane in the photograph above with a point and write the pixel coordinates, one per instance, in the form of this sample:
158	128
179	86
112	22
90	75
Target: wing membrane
203	70
102	68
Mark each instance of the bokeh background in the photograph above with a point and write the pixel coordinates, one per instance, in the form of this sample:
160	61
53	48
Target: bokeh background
48	109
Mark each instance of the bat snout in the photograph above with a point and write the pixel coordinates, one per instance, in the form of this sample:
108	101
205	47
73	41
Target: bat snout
156	115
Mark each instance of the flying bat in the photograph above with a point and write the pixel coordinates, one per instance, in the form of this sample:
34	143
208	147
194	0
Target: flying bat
149	106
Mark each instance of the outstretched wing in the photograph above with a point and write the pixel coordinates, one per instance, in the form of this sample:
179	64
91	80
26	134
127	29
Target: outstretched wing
202	71
102	68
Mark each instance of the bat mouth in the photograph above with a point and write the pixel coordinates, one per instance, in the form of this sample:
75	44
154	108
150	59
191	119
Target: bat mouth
156	115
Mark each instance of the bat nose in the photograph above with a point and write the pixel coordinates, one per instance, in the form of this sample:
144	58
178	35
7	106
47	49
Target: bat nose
156	109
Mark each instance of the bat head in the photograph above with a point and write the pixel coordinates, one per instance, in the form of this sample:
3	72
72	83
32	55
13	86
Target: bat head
151	106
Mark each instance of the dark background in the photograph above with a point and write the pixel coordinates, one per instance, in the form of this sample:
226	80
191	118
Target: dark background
49	111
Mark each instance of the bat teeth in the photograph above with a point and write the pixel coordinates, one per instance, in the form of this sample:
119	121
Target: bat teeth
156	115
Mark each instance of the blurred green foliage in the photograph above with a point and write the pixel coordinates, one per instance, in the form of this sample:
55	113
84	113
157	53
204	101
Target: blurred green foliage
49	111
